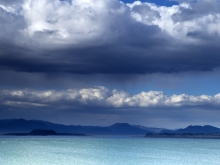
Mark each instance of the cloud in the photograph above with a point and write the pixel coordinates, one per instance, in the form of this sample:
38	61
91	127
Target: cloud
101	97
108	37
87	106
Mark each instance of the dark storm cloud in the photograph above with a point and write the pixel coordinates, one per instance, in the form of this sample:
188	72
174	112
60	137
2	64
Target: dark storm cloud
115	58
109	37
107	61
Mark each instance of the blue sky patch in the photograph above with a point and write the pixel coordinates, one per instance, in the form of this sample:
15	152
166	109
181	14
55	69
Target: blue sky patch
157	2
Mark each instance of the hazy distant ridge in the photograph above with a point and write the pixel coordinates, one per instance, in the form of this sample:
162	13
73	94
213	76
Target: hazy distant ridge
195	129
25	126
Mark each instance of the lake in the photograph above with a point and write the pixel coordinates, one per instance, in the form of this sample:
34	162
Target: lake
108	151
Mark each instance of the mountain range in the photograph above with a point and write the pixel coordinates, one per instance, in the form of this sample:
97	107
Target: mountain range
25	126
195	130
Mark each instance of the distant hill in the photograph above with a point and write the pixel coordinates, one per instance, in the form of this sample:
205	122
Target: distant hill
43	132
195	130
25	126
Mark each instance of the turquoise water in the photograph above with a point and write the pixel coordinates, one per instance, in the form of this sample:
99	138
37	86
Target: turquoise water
108	151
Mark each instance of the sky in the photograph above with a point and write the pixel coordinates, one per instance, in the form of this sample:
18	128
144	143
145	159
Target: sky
99	62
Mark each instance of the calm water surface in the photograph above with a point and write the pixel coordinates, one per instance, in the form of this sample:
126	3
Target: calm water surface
108	151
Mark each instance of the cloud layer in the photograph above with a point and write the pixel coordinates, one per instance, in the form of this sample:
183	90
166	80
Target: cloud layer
101	97
73	45
108	37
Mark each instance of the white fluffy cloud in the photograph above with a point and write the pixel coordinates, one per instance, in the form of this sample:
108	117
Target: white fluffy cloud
83	21
181	21
103	97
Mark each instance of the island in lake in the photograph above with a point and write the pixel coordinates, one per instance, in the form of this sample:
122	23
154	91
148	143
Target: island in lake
184	135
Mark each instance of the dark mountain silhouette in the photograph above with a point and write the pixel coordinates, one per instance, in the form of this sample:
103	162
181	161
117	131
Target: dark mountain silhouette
25	126
207	129
43	132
